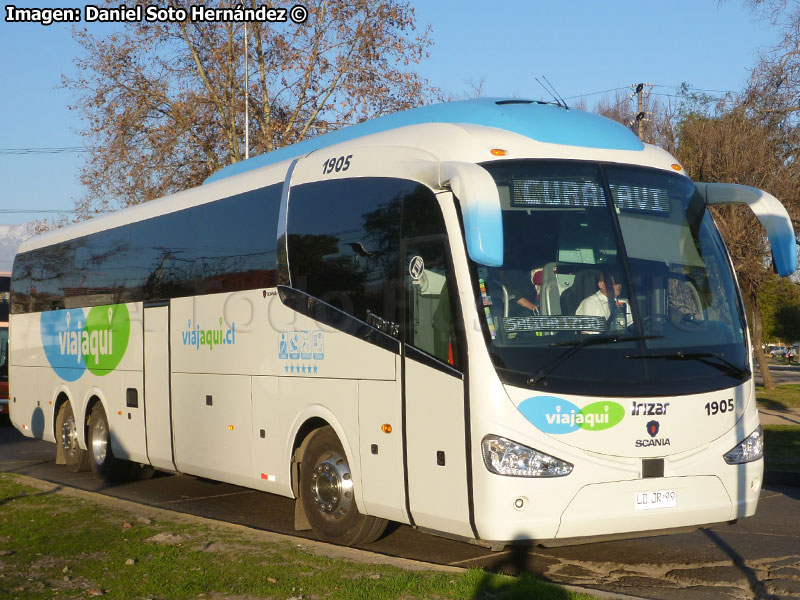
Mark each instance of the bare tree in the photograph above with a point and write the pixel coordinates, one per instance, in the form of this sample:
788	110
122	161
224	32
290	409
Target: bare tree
738	145
164	102
659	117
735	139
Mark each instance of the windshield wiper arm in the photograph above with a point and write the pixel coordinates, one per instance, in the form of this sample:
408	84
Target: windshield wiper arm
723	365
576	345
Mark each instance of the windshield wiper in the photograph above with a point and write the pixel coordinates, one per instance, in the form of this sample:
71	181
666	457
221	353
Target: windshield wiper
576	345
723	365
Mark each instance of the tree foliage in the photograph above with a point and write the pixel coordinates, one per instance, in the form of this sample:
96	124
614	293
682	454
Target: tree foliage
779	300
164	103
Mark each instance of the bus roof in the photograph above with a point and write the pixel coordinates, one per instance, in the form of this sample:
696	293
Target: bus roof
540	121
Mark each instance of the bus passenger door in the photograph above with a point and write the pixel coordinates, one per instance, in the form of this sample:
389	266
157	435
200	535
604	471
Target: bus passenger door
434	391
157	400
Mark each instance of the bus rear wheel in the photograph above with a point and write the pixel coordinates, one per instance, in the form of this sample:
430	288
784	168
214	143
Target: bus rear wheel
328	496
105	466
76	458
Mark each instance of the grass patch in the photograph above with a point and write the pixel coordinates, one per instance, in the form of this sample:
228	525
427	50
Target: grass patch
785	397
782	446
58	546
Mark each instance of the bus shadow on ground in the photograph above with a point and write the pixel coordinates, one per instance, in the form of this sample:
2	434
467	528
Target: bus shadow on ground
757	587
516	562
9	499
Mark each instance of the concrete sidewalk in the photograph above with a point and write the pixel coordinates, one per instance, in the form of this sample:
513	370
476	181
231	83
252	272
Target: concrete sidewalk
772	416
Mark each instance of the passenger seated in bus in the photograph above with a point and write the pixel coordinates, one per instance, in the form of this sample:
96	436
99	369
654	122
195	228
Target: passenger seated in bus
605	302
519	294
526	294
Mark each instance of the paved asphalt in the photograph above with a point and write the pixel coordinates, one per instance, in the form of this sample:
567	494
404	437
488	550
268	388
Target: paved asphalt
757	557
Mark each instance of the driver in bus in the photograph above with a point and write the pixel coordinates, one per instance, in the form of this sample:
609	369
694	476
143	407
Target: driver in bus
606	302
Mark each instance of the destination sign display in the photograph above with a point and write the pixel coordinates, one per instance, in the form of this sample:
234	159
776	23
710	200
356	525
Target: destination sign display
582	193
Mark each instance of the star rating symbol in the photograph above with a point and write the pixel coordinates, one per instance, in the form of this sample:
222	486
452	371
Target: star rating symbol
305	369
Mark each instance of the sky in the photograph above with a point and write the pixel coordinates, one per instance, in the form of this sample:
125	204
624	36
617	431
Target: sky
582	46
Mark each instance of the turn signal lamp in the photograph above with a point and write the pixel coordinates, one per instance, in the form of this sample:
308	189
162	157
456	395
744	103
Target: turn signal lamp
498	152
386	428
676	167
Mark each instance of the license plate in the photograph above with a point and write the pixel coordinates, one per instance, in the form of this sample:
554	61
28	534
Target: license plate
655	500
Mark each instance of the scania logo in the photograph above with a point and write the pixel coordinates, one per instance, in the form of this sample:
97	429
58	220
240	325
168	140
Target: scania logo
652	428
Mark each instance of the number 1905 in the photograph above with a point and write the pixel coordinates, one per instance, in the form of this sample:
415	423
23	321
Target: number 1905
723	406
338	164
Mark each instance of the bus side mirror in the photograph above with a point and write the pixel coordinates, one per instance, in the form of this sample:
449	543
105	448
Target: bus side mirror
480	207
770	212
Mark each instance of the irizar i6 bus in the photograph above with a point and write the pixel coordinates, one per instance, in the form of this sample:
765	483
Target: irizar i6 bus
493	320
5	296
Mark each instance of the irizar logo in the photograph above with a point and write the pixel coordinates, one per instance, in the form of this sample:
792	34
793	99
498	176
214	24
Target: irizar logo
556	415
649	409
74	341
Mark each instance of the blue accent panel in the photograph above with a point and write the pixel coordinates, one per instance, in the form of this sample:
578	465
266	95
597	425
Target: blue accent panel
784	251
62	336
538	121
483	229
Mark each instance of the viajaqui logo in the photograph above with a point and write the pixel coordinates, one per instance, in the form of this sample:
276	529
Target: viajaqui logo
556	415
75	341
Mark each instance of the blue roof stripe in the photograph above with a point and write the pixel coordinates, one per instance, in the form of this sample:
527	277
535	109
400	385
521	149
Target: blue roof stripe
542	122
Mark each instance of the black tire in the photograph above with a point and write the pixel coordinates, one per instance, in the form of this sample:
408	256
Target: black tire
105	466
77	459
326	491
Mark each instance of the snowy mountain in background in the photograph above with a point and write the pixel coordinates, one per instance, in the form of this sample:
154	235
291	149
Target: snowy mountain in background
11	236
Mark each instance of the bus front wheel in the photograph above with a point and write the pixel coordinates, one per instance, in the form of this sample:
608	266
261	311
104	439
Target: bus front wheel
328	497
105	466
76	459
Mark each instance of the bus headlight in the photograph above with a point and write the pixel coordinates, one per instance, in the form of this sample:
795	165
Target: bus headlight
506	457
752	448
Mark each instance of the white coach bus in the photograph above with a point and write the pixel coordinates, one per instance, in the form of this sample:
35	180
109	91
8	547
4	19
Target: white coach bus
493	320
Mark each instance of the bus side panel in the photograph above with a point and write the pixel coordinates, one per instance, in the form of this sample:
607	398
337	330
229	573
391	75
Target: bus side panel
30	411
437	462
272	418
27	379
333	400
212	426
48	361
381	448
219	333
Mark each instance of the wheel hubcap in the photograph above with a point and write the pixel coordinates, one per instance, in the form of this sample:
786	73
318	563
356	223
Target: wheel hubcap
99	442
69	434
332	486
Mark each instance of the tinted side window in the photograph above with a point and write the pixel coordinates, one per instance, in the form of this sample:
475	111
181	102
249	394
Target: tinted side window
344	243
237	241
432	324
222	246
421	214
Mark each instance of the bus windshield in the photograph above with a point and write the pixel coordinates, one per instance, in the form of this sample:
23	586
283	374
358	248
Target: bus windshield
615	281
